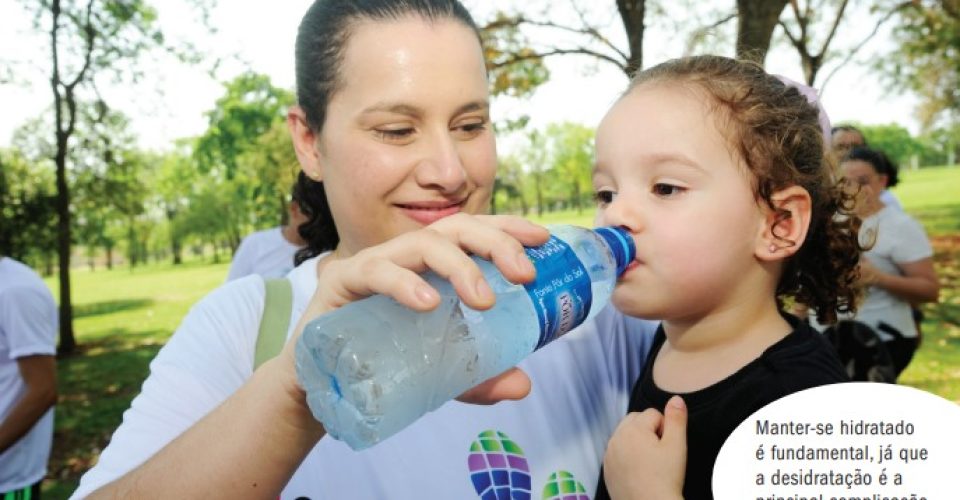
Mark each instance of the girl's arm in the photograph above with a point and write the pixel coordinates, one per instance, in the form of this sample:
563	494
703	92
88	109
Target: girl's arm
918	283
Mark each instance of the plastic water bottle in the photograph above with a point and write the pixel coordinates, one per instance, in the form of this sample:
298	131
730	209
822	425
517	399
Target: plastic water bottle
374	366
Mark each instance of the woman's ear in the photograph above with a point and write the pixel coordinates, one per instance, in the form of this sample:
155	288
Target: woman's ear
304	143
784	228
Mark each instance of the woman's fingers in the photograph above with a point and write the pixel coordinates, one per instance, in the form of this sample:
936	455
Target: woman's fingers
392	267
512	384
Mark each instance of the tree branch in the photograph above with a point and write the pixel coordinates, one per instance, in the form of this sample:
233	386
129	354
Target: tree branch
701	32
846	60
585	30
833	28
538	55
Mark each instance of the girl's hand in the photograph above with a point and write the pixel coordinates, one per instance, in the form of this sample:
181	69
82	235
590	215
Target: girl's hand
647	455
393	267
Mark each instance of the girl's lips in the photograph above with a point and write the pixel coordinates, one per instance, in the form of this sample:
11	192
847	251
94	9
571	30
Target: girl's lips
631	266
428	213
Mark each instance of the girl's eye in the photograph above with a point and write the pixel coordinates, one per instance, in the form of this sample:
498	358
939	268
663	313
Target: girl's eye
604	197
395	135
662	189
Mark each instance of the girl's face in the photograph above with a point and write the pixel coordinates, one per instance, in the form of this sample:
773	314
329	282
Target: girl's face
862	177
407	137
666	172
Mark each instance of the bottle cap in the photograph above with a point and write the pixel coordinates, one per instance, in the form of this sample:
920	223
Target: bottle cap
620	242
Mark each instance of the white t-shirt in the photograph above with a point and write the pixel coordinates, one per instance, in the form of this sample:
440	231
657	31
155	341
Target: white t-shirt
28	327
266	253
889	199
555	437
899	239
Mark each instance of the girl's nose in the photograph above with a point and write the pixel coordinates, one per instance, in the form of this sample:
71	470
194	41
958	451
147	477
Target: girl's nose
620	212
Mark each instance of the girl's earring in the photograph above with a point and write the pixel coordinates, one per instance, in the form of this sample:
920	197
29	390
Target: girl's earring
773	248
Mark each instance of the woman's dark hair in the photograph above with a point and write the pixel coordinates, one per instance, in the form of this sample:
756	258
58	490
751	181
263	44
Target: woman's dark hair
872	156
321	40
776	132
877	159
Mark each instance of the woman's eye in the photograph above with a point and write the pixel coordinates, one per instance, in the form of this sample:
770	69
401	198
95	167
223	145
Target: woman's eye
394	135
604	197
472	129
661	189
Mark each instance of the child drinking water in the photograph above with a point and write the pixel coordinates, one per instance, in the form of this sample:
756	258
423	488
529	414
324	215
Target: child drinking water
718	171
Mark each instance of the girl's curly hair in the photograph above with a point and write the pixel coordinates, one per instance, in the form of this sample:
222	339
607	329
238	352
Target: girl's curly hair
776	132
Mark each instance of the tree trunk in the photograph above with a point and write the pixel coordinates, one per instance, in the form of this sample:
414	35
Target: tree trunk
109	249
68	343
632	13
176	247
756	20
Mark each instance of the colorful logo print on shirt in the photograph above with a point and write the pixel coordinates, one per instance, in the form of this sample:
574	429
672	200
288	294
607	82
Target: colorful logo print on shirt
563	486
498	469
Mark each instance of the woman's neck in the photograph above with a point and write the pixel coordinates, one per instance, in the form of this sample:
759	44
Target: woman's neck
700	352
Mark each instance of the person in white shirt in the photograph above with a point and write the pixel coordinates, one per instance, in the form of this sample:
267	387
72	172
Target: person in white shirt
28	383
394	138
270	252
898	268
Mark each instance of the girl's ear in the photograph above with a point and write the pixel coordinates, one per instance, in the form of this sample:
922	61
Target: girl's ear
785	228
304	143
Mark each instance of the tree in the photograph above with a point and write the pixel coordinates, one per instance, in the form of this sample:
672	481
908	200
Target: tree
86	40
176	182
570	147
894	140
927	59
756	21
27	212
248	109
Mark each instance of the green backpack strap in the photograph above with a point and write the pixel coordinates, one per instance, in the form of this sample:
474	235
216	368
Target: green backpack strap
275	321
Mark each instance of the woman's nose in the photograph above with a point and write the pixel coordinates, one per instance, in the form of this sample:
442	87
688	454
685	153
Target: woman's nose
441	166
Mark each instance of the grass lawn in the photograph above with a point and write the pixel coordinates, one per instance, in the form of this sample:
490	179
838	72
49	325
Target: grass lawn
123	317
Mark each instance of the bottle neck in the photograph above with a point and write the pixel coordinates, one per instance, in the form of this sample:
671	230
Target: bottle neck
621	245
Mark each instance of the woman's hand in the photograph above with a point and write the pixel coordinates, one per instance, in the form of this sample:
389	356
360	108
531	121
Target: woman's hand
393	268
647	455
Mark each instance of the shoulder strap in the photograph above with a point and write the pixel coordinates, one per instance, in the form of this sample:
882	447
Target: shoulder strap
275	321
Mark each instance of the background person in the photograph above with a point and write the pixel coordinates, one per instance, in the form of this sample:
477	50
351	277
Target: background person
898	269
847	137
270	252
396	146
28	378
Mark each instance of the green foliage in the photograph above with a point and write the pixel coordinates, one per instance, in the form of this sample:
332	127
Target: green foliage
27	212
515	67
894	140
250	107
927	58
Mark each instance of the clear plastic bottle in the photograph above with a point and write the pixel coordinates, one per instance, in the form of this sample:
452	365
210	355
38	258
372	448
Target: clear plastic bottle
373	367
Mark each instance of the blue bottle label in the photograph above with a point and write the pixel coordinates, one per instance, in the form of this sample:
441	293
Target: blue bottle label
562	292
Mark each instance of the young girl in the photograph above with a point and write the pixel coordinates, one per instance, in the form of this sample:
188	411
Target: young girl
718	170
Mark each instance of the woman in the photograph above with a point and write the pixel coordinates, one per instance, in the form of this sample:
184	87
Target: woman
898	269
393	135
